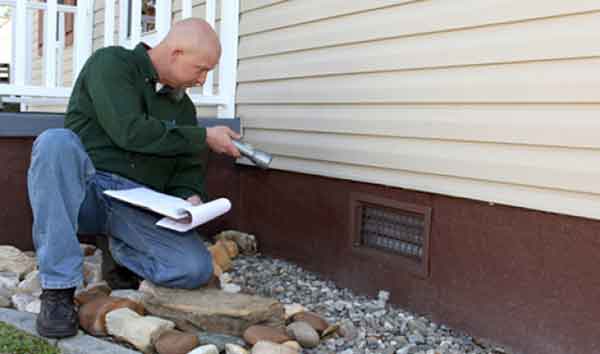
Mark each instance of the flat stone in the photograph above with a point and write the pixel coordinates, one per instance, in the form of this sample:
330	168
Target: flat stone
264	347
256	333
205	349
293	344
234	349
304	334
9	280
92	315
317	322
80	344
212	309
21	300
138	330
5	301
175	342
13	260
31	284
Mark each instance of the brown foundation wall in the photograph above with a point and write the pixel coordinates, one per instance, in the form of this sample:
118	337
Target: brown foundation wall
520	278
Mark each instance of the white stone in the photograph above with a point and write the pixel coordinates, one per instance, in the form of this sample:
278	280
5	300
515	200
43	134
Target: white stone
205	349
13	260
21	300
31	284
92	272
225	278
231	288
9	280
292	309
266	347
133	295
138	330
234	349
34	306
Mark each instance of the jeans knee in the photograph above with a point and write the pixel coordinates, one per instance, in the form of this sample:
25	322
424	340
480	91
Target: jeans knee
196	271
54	142
188	272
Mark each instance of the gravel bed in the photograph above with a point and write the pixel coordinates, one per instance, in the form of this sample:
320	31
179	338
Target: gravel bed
371	324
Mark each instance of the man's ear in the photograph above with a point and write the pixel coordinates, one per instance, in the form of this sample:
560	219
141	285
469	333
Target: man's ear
175	54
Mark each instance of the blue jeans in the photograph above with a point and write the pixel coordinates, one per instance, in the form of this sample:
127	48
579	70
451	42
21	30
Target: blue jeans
65	192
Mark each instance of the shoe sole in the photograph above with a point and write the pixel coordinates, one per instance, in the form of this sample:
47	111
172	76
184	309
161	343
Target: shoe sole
55	333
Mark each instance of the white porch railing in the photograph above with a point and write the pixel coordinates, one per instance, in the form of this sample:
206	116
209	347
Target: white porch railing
52	90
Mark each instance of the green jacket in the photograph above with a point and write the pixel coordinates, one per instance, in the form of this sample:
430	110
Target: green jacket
130	129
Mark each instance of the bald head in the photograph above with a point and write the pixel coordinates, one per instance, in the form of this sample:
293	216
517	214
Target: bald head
189	51
193	34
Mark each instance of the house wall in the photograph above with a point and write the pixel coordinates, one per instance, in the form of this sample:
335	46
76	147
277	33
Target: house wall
489	100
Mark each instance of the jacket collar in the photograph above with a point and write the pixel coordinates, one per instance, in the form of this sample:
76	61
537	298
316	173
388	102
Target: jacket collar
143	60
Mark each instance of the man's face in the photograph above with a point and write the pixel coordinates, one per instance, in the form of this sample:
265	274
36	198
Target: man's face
190	68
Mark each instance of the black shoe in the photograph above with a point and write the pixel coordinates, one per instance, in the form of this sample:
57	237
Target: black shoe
120	277
57	318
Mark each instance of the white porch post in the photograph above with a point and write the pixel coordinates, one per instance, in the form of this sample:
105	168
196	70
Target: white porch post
84	22
229	55
211	13
136	22
50	43
109	23
20	45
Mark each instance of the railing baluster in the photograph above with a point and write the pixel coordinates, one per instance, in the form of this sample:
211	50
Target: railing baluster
21	44
50	43
109	23
84	22
60	49
123	26
211	13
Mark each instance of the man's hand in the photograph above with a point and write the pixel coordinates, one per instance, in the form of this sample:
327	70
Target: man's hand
219	140
195	200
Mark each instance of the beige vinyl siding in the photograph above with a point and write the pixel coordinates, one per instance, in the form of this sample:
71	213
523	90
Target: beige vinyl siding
491	100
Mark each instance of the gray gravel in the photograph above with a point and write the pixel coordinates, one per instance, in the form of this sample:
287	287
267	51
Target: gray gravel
370	325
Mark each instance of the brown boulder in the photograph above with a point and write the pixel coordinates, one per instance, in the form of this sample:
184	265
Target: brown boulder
220	256
92	315
315	321
91	292
176	342
254	334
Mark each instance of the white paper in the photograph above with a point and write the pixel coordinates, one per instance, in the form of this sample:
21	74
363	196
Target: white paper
176	210
199	215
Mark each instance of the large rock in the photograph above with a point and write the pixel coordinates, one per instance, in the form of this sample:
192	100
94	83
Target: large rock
175	342
317	322
140	331
13	260
211	309
303	333
255	334
92	315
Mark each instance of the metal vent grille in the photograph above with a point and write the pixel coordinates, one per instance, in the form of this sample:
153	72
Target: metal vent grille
393	231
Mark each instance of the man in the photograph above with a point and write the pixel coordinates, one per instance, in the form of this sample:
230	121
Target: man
124	131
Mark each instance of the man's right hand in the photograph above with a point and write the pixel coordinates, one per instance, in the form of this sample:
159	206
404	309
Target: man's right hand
219	140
